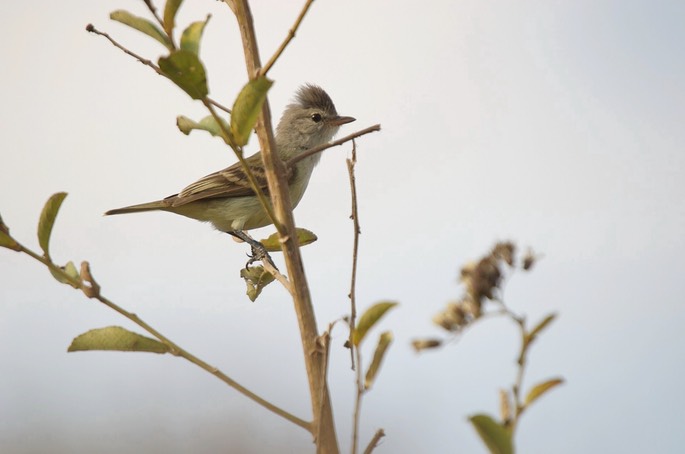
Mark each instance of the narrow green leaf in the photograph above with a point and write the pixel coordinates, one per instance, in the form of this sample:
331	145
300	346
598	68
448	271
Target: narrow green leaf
304	237
247	107
541	388
256	278
384	341
208	124
369	319
47	220
190	39
539	327
116	338
170	10
495	436
142	25
6	239
185	69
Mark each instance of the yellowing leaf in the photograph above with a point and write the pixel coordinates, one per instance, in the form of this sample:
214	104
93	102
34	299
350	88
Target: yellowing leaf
170	10
142	25
369	319
541	388
256	278
70	270
190	39
47	220
247	107
208	124
116	338
495	436
383	343
539	327
273	243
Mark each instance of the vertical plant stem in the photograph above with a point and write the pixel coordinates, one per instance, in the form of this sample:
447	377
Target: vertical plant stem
354	350
323	427
521	363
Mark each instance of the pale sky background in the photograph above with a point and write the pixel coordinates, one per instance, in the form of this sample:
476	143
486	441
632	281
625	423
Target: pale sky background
558	125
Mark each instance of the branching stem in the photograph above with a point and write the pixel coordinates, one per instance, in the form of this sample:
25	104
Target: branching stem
174	349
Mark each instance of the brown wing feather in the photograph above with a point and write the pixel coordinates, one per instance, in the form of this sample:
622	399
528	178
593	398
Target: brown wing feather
230	182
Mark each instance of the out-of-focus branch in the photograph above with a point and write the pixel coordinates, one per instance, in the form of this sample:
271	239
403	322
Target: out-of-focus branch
380	433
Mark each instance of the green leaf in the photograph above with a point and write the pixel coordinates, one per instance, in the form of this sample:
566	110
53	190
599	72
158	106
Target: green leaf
541	388
6	239
247	107
142	25
208	124
384	341
256	279
369	319
116	338
273	243
495	436
170	9
190	39
47	220
185	69
539	327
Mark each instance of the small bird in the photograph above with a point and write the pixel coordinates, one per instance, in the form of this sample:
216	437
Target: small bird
226	199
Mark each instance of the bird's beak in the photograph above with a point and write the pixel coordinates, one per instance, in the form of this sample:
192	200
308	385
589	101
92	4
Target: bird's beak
337	121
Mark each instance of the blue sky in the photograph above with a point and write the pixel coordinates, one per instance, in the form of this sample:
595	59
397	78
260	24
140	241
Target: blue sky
554	124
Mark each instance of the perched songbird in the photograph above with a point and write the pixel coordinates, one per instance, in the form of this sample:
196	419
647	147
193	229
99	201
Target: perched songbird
225	198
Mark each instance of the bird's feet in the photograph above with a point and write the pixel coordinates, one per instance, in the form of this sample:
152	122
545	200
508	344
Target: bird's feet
259	252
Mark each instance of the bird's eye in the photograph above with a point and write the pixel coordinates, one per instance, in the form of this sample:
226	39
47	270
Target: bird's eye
316	117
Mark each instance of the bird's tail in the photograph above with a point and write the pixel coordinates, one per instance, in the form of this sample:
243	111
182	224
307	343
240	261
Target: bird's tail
150	206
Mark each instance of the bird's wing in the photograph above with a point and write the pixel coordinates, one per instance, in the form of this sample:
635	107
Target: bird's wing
230	182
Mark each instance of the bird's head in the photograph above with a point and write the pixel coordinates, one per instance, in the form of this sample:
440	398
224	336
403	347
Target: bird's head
309	121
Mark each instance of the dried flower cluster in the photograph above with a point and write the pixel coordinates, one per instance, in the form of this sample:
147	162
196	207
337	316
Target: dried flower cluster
481	280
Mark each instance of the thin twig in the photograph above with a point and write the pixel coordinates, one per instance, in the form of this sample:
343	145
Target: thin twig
380	433
153	10
357	231
291	35
91	28
354	349
143	60
271	268
174	349
335	143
